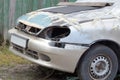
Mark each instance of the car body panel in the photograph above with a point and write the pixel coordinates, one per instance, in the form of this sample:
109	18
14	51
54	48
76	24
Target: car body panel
86	27
60	57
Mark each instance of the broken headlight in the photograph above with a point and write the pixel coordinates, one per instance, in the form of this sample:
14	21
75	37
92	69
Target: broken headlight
28	29
20	26
55	32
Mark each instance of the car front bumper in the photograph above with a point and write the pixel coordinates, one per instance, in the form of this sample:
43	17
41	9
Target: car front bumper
40	51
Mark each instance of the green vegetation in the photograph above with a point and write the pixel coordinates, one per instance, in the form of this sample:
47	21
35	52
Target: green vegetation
7	58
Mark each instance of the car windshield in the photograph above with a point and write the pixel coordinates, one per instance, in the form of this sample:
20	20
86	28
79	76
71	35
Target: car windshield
70	7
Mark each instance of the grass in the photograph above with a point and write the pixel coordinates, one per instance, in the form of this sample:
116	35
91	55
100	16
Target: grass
7	58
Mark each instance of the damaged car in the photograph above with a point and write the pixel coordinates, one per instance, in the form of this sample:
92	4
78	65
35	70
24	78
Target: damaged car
81	37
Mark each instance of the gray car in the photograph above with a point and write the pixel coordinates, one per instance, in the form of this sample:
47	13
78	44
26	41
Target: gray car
81	37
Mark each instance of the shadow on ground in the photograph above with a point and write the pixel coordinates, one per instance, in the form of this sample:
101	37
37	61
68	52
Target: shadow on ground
34	72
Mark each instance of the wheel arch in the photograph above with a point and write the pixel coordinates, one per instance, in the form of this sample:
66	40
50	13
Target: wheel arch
109	43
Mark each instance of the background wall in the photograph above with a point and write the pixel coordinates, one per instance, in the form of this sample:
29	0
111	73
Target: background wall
10	10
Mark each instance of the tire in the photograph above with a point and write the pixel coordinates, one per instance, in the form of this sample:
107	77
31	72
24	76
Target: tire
98	63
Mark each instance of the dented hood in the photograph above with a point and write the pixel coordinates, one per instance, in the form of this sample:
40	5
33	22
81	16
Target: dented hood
42	19
38	18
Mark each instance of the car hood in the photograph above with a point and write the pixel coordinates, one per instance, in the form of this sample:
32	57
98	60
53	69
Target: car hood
38	18
45	19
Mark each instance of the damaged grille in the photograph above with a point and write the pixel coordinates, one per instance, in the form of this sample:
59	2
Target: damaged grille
18	48
30	53
28	29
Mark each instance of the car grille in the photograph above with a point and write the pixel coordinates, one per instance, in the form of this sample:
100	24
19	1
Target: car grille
28	29
30	53
18	48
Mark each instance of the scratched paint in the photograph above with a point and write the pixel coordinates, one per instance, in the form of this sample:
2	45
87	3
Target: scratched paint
96	19
10	10
85	28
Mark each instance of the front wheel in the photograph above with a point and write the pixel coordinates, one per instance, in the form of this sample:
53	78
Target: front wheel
98	63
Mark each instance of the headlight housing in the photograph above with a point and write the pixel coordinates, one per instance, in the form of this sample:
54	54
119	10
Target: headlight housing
28	29
55	32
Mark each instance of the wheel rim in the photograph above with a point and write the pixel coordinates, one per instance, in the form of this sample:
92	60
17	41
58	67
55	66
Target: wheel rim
100	67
